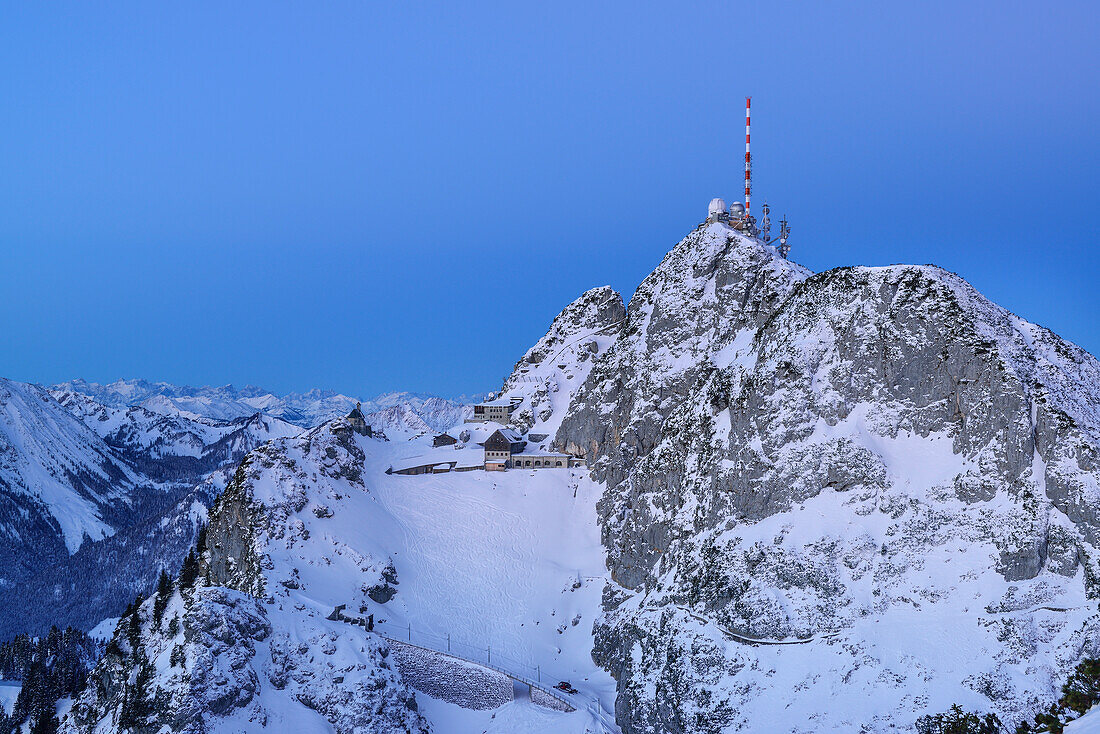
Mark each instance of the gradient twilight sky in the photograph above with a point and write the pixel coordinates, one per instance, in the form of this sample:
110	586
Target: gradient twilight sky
305	195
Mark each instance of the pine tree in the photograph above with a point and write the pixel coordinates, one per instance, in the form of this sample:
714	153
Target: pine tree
46	723
1082	691
164	583
50	667
164	594
133	633
189	571
1051	721
958	721
136	703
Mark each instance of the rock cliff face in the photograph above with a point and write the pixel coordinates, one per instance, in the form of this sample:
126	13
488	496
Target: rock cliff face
711	290
865	484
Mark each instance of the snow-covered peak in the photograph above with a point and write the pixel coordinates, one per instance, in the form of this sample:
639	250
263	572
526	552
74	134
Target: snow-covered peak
52	460
696	311
594	313
155	430
544	381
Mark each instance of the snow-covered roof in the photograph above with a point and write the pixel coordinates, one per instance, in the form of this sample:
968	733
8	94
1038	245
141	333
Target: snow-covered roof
502	402
511	435
470	460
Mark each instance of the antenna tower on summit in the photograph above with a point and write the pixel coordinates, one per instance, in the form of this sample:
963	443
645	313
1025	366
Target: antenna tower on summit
748	156
738	217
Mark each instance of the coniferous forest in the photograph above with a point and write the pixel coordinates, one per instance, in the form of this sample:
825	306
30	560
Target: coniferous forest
51	667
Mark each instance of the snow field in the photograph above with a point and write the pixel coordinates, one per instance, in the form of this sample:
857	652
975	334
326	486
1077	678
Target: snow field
506	562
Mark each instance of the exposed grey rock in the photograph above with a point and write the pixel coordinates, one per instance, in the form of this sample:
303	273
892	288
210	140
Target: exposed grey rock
740	390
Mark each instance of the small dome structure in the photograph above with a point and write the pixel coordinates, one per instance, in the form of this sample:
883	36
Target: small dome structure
717	206
737	209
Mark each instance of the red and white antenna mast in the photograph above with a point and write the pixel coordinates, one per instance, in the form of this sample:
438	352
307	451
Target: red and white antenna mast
748	157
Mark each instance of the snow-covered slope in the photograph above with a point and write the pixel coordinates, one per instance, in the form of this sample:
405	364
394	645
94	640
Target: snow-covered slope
508	565
94	500
546	377
837	501
1087	724
56	475
80	529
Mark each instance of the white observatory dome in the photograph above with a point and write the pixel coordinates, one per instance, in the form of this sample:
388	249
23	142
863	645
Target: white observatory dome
717	206
737	208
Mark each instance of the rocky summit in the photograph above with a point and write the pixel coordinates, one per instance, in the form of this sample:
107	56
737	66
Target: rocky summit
836	501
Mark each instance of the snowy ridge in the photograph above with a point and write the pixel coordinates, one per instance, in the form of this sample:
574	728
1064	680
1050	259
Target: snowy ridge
404	421
138	431
313	523
97	499
546	377
1065	373
224	403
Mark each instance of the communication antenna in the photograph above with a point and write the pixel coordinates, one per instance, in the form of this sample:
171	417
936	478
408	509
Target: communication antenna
748	157
765	223
784	235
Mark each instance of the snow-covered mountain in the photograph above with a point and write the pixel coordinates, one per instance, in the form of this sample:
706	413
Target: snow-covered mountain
546	377
309	409
313	532
226	403
837	501
81	529
55	470
97	499
814	502
107	484
507	566
415	418
172	446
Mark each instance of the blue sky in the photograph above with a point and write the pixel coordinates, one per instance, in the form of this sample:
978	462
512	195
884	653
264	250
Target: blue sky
299	195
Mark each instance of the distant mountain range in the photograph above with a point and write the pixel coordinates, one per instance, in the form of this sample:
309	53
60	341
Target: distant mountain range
228	403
